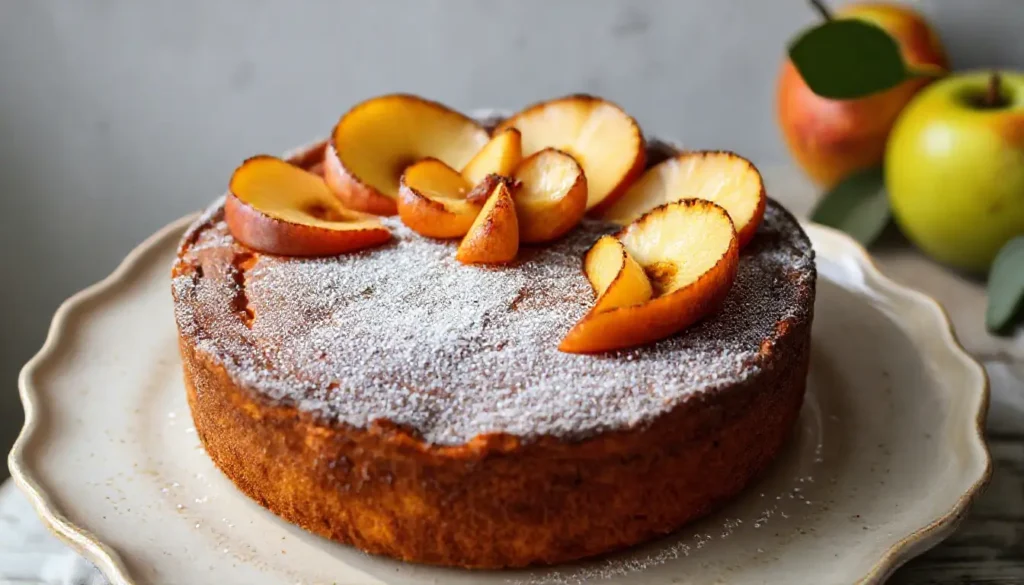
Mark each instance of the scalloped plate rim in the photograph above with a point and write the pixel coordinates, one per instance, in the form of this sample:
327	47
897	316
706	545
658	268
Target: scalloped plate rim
838	243
77	537
925	537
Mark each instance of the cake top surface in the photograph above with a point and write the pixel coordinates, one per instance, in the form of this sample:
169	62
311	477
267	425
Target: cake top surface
404	332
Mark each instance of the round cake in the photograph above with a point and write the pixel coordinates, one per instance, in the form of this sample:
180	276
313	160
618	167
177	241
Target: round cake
400	402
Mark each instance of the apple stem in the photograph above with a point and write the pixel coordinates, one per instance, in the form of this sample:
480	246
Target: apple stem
822	9
994	97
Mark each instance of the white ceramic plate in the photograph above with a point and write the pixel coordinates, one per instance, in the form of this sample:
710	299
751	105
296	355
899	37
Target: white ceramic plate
887	456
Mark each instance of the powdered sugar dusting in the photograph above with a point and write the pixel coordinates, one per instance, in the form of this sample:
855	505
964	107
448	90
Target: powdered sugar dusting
405	333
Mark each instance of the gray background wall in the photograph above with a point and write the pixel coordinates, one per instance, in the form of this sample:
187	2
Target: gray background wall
117	116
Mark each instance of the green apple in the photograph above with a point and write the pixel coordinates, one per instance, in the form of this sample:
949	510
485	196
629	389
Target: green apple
954	168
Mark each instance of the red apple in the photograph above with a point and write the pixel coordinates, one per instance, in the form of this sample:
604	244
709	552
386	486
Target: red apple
832	138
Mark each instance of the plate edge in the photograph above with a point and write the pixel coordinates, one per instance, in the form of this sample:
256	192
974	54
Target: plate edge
78	538
930	535
110	563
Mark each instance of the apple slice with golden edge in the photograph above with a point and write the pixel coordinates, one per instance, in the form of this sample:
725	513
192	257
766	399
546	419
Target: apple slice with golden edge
278	208
604	140
494	236
376	140
617	278
500	156
690	253
725	178
432	200
550	192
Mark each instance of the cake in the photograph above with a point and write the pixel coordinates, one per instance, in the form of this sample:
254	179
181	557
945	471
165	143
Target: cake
397	401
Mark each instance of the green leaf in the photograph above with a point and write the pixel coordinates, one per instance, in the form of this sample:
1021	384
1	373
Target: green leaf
848	58
1006	287
858	205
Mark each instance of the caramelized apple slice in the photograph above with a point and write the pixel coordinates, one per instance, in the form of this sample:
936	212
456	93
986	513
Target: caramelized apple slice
500	156
550	193
278	208
605	141
376	140
432	200
689	251
494	236
722	177
617	278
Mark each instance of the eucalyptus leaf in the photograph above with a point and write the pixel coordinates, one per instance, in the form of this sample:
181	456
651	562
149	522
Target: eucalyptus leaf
1006	287
858	205
848	59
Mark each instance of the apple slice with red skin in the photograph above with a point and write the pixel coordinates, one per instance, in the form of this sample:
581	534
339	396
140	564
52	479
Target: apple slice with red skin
376	140
278	208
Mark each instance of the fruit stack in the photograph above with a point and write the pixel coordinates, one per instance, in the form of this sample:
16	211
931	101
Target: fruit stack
896	135
528	181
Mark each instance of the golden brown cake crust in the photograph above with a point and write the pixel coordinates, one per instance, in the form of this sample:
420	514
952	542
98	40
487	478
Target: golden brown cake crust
503	499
